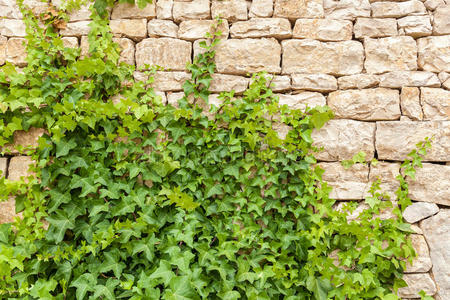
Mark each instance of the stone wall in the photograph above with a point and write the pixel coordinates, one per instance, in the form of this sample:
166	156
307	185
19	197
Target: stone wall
383	67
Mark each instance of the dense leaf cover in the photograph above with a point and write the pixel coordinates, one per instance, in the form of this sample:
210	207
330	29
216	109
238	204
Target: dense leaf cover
139	200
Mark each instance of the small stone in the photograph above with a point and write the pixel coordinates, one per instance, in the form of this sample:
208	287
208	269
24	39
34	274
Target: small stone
28	139
132	11
358	81
262	27
390	54
433	4
419	210
18	167
441	21
261	9
434	53
7	211
416	283
70	42
415	26
194	10
347	184
3	42
394	140
435	104
342	139
16	51
12	28
302	100
3	165
10	10
346	9
164	9
367	105
196	29
334	58
375	28
421	263
281	83
162	28
314	82
294	9
410	103
170	81
126	50
226	83
400	79
387	173
133	29
398	9
242	56
323	29
159	51
76	28
231	10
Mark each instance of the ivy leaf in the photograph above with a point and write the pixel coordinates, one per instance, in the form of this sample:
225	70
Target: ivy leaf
320	287
63	147
180	289
60	222
84	283
163	272
42	289
112	263
4	232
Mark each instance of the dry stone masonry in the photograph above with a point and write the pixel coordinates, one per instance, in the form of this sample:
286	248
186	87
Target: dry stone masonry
382	66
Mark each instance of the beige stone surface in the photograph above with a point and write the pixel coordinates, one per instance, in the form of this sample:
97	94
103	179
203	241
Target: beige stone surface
132	11
314	82
375	27
196	9
342	139
434	53
280	83
170	81
416	283
441	20
159	52
26	139
311	56
435	103
164	9
358	81
9	10
410	103
76	28
127	49
347	184
3	42
394	140
387	173
397	9
12	28
16	51
261	9
70	42
419	211
3	165
437	234
421	263
390	54
135	29
367	105
294	9
398	79
7	211
232	10
346	9
432	184
302	100
323	29
197	29
223	82
162	28
262	27
18	167
242	56
415	26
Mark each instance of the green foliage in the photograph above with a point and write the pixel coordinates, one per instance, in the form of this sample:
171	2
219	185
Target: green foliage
139	200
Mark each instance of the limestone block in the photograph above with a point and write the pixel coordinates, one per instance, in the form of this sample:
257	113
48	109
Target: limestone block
398	79
134	29
323	29
76	28
294	9
196	29
262	27
170	81
3	43
432	184
398	9
16	51
12	28
10	10
394	140
302	100
387	173
421	263
231	10
346	9
280	83
419	211
416	283
70	42
314	82
375	27
3	165
444	77
342	139
127	49
160	52
18	167
434	53
435	103
358	81
415	26
390	54
26	139
132	11
261	9
7	211
223	82
162	28
367	105
196	9
164	9
242	56
311	56
410	103
441	20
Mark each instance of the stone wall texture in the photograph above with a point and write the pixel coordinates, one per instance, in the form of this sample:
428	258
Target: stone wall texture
382	66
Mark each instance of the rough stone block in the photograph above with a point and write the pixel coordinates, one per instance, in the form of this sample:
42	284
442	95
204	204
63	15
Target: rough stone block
196	29
323	29
294	9
18	167
3	42
302	100
170	81
398	9
419	210
26	139
133	29
262	27
387	173
132	11
127	49
398	79
223	82
415	26
16	51
434	53
70	42
441	20
346	9
164	9
432	184
3	165
421	263
314	82
7	211
375	27
76	28
410	103
281	83
435	103
261	9
194	10
416	283
231	10
12	28
358	81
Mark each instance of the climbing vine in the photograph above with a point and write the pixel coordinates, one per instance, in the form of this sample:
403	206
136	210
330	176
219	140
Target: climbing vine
135	199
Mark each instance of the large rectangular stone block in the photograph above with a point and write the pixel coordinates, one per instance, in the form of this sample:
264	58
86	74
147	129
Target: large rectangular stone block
18	167
432	184
435	104
193	10
12	28
398	9
375	27
434	53
294	9
262	27
132	11
346	9
302	100
398	79
323	29
26	139
133	29
231	10
196	29
16	51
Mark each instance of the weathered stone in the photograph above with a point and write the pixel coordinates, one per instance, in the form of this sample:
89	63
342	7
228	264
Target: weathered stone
375	28
70	42
435	176
162	28
410	103
387	173
437	234
196	29
18	167
434	53
433	4
160	52
444	77
281	83
242	56
261	8
196	9
346	9
164	9
415	26
81	14
294	9
16	51
310	56
12	28
170	81
133	29
419	210
416	283
347	184
126	50
390	54
36	6
421	263
323	29
358	81
262	27
398	79
76	28
302	100
342	139
394	140
231	10
130	11
26	139
222	82
398	9
3	165
314	82
435	104
441	21
368	105
10	10
7	211
3	42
